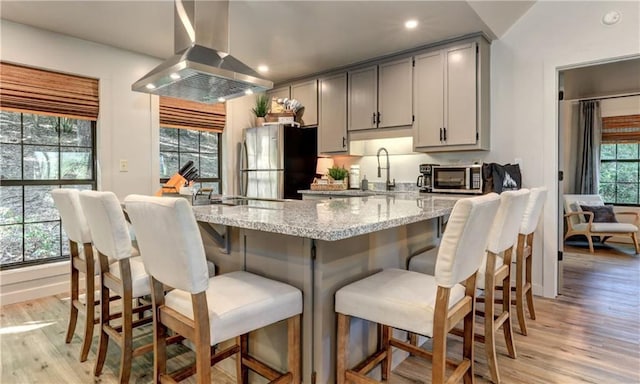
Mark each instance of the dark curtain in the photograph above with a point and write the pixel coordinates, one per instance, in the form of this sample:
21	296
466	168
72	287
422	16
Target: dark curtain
589	124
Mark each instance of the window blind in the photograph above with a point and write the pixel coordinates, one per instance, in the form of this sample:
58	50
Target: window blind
621	129
184	114
25	89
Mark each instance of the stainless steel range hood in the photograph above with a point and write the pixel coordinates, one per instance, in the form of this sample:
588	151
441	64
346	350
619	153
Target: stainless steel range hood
202	70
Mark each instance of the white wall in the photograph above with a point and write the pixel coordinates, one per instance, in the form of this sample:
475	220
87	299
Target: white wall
524	107
127	128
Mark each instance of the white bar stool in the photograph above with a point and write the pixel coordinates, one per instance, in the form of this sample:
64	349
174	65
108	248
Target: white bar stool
524	254
420	303
121	271
82	261
207	310
495	270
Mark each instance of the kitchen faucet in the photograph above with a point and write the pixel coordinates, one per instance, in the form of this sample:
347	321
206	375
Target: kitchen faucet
389	185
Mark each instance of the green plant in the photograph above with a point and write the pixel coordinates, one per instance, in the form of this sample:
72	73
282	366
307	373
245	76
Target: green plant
262	106
338	173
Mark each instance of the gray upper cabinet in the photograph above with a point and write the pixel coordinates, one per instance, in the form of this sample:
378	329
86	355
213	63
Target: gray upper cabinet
451	96
380	96
307	94
363	98
279	93
332	127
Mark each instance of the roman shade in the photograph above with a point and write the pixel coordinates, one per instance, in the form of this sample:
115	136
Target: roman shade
621	129
26	89
184	114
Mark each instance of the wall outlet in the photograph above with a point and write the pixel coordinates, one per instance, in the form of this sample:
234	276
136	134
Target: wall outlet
124	165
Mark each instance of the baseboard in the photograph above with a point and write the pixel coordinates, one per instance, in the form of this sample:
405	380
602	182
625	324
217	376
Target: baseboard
29	283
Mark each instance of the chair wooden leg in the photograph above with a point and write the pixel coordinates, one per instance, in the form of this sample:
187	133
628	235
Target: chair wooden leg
506	326
520	266
90	308
634	237
385	344
342	347
126	348
293	337
242	372
104	336
590	240
159	332
489	323
440	332
528	279
467	344
202	338
75	277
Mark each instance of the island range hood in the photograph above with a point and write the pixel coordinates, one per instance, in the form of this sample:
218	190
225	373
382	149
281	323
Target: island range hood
202	70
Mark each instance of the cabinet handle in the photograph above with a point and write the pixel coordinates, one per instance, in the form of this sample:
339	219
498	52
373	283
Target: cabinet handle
344	142
373	119
445	134
440	134
379	119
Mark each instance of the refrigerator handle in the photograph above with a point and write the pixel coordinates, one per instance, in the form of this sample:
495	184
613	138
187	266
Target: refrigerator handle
244	159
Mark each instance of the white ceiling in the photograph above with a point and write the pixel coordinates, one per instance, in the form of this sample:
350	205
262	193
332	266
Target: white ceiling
294	38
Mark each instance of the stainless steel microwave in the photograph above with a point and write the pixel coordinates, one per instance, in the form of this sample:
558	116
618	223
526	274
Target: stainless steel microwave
457	178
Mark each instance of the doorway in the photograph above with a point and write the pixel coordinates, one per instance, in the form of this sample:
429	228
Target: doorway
616	87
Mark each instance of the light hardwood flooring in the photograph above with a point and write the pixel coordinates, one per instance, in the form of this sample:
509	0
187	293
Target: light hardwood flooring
589	334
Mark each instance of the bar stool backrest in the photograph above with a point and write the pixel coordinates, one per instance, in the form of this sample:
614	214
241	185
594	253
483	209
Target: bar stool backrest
505	227
533	210
107	224
73	221
169	241
465	239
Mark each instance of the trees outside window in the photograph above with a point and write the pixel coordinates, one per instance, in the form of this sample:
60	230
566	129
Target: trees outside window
619	173
37	154
177	146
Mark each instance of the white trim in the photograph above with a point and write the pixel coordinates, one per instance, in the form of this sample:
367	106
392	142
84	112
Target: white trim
33	282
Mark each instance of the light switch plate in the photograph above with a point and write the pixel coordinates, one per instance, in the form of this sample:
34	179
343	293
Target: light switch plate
124	165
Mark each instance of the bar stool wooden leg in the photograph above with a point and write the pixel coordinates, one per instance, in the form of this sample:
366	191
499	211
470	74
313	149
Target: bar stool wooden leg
293	331
468	331
342	347
75	277
489	319
386	346
104	336
202	338
159	332
90	311
126	347
506	307
520	267
528	280
440	336
242	372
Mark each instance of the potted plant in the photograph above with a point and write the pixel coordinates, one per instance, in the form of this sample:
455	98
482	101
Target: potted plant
261	109
339	174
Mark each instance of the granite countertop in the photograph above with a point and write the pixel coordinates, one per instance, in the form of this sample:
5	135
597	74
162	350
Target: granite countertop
329	220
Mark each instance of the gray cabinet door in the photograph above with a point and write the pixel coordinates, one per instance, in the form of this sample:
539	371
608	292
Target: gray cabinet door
429	99
307	94
363	98
279	93
394	93
460	90
332	127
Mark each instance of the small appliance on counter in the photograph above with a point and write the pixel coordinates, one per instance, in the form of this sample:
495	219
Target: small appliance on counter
425	180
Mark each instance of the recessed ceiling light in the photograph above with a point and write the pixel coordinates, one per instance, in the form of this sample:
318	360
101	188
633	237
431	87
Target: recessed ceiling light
248	92
150	86
610	18
411	24
263	68
221	99
174	76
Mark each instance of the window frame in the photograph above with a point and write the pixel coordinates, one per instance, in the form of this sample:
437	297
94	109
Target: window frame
48	182
616	183
200	180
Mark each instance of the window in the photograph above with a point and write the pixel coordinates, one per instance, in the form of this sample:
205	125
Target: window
39	153
619	181
620	160
177	146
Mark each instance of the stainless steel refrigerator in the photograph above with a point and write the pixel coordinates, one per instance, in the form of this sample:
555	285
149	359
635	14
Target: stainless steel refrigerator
277	161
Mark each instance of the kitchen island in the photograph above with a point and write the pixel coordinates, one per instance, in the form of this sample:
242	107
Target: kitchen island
320	246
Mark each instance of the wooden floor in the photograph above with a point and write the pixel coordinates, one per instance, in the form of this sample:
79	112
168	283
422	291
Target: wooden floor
589	334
